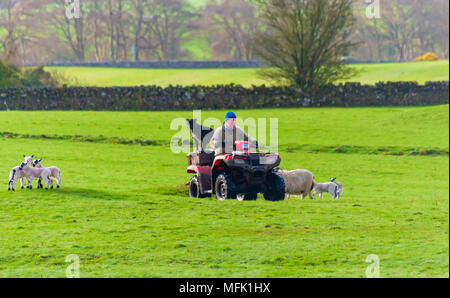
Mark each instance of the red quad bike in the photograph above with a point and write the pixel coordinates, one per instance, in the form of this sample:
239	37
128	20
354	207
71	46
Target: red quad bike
240	175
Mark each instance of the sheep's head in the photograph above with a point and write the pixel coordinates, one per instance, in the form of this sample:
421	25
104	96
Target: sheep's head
333	179
22	165
28	159
36	162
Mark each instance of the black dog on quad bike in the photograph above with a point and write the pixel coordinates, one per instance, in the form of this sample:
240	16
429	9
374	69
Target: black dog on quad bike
202	135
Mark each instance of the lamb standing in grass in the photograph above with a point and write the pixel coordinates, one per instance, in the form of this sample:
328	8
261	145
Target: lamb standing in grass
28	160
330	187
339	184
298	182
31	173
54	173
15	175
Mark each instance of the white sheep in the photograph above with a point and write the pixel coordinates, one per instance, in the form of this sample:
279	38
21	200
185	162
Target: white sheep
298	182
54	173
27	160
340	185
330	187
15	175
31	173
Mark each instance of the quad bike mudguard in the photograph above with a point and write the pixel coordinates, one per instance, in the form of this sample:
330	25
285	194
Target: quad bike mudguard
204	176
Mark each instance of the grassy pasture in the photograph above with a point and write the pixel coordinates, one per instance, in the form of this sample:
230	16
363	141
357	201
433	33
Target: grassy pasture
367	74
124	208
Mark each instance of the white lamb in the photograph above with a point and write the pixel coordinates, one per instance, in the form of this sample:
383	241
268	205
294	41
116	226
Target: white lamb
340	185
330	187
28	160
298	182
15	175
32	173
54	173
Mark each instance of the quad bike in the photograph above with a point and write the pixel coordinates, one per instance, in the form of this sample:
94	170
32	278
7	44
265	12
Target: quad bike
238	175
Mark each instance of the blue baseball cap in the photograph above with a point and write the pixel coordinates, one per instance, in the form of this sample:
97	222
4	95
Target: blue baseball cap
230	115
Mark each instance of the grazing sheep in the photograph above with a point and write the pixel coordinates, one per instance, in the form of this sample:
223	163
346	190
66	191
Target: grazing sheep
54	173
329	187
31	173
298	182
15	175
339	184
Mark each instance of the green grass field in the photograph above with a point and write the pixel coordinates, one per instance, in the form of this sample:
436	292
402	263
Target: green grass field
420	72
124	209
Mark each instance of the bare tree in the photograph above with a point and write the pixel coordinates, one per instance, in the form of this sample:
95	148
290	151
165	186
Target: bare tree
373	35
35	31
232	22
400	29
73	30
10	19
305	40
139	11
167	25
406	29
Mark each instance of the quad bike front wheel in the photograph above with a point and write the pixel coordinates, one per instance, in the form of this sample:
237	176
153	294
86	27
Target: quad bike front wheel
225	187
276	189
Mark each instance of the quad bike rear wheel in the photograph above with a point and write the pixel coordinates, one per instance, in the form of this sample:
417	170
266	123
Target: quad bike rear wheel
194	188
276	189
225	187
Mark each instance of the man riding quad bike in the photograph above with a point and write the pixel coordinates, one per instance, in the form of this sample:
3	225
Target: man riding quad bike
235	169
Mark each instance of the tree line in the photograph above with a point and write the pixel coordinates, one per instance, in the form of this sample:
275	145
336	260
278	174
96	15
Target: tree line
37	31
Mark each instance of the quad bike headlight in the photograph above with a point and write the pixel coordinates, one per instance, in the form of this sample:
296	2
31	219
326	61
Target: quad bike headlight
267	160
239	161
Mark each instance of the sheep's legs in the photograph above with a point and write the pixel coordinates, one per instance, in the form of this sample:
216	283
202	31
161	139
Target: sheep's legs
11	185
29	183
47	182
21	183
